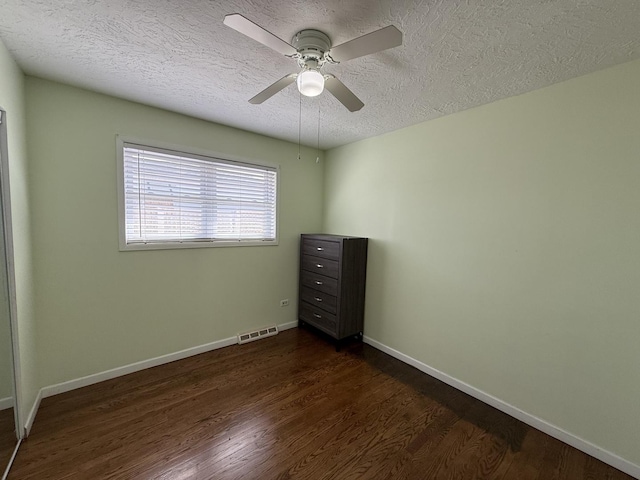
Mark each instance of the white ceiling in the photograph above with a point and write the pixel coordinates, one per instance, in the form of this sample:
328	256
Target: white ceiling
178	55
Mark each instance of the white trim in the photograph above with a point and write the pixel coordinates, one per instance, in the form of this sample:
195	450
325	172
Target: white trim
32	414
177	148
5	191
287	326
6	403
542	425
587	447
126	369
142	365
13	457
198	152
136	247
134	367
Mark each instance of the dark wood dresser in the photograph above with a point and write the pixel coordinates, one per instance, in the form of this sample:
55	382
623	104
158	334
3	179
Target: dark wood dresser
332	284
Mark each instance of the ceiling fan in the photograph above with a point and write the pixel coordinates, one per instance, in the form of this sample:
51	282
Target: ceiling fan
312	50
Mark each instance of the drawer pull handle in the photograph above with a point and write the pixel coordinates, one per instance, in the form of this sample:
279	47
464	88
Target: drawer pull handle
318	299
317	316
319	265
318	282
320	249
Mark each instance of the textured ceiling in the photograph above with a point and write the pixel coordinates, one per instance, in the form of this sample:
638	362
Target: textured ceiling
178	55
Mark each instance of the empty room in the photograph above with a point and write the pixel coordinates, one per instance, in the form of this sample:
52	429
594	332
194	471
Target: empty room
320	240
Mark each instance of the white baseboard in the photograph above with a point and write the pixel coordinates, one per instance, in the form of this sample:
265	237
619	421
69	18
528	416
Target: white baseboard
6	403
542	425
13	457
287	326
134	367
131	368
32	414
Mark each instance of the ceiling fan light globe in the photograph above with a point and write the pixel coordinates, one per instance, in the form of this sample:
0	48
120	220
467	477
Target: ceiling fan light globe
310	83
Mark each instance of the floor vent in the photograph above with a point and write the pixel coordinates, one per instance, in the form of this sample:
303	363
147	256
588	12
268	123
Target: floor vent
257	334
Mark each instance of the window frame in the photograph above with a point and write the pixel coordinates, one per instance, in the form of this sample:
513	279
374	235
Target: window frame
202	154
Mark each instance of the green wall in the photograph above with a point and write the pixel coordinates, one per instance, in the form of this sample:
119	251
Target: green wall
12	97
504	249
99	308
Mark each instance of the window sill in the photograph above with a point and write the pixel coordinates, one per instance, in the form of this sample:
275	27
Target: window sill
178	245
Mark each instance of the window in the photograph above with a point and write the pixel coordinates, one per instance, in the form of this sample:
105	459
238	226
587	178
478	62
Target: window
172	199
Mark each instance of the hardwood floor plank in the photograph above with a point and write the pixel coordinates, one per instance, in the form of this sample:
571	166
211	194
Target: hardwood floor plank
287	407
384	439
8	438
231	418
272	414
342	440
527	461
554	460
311	428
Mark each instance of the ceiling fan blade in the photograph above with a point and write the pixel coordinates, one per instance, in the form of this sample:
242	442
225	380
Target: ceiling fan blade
387	37
259	34
274	88
342	93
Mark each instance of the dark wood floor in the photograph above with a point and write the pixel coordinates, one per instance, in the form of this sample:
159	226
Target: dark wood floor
7	437
288	407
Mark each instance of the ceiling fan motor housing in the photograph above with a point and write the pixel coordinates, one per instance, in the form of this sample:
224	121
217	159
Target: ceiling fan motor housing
311	45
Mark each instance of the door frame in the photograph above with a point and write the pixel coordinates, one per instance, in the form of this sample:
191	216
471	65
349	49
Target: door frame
5	197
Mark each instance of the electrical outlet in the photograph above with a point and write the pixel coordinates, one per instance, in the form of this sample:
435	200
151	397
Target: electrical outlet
284	303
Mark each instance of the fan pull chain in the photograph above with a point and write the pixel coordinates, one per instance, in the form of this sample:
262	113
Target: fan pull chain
318	144
299	126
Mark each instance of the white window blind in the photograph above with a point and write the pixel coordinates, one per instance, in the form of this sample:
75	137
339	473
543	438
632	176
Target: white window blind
173	197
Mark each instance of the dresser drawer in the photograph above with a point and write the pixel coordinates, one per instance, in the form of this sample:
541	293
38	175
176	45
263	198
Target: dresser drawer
319	299
318	318
321	248
322	266
319	282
